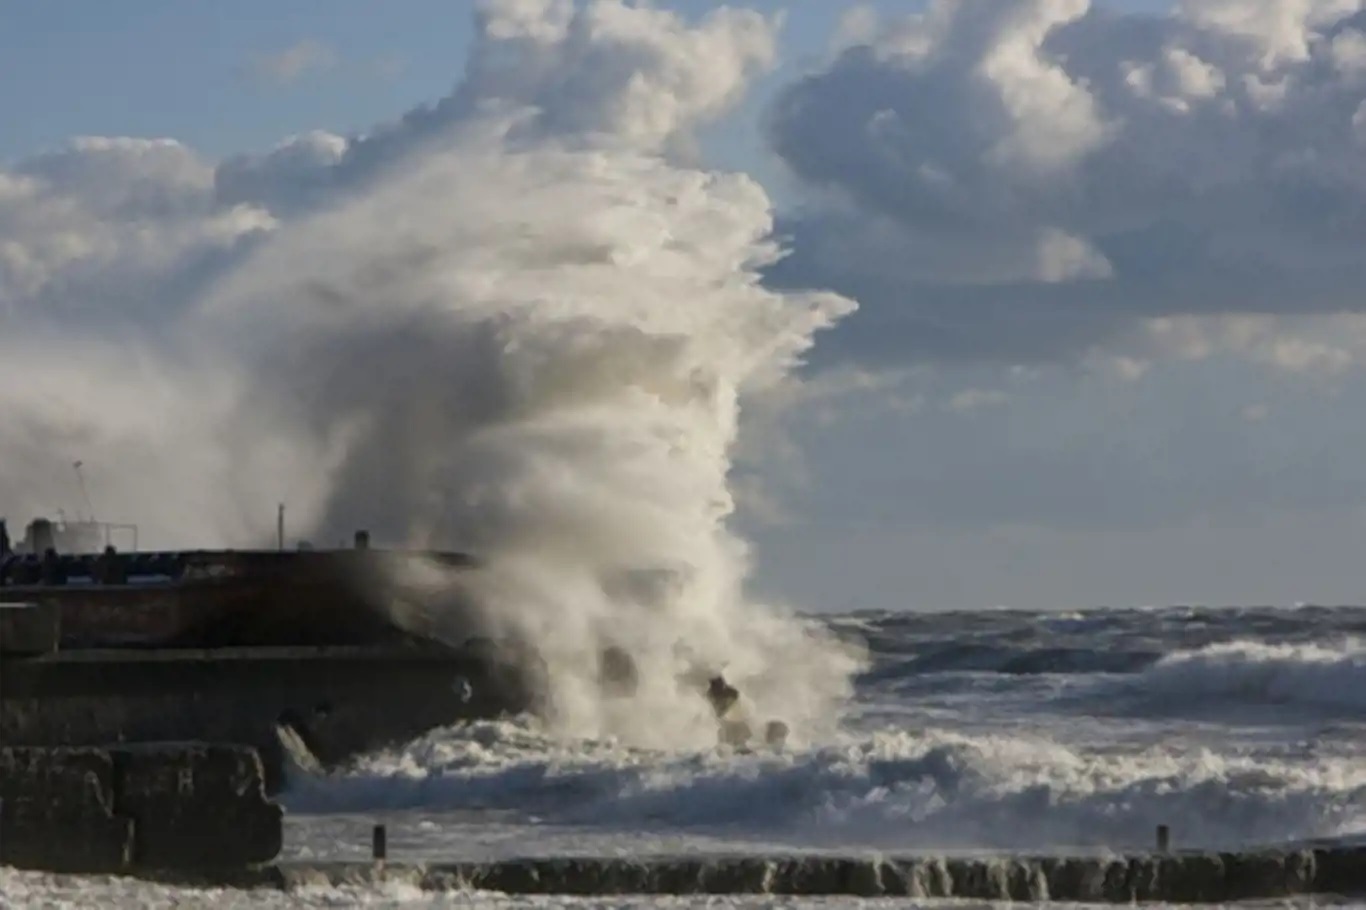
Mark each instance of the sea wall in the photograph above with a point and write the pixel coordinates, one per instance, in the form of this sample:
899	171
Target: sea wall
27	629
129	808
1176	878
339	700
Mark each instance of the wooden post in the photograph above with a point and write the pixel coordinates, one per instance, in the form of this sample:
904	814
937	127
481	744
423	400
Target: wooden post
379	844
1164	838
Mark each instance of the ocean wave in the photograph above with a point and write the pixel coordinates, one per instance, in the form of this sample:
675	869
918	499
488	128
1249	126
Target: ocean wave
973	657
1320	676
929	789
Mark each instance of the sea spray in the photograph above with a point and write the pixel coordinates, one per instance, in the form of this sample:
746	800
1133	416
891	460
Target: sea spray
539	355
518	323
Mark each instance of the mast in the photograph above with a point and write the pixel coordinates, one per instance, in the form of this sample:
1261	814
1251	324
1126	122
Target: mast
85	493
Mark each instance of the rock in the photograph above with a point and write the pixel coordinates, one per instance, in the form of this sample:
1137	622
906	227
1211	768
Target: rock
775	733
617	673
721	695
735	733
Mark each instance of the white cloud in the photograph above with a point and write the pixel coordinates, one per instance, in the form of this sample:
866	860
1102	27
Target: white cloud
975	399
635	74
1053	119
1280	31
1348	52
1063	257
92	227
294	62
1023	180
1323	346
857	25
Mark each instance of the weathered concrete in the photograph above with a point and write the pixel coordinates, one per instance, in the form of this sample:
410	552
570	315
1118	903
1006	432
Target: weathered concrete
340	700
28	629
209	599
57	812
1178	878
130	808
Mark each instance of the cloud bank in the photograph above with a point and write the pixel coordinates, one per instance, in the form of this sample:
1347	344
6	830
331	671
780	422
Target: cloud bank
1033	180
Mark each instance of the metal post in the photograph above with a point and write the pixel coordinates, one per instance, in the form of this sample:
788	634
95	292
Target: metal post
280	527
1164	838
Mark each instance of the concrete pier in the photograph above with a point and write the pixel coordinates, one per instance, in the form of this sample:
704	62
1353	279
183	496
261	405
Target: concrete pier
340	701
132	808
1178	878
28	629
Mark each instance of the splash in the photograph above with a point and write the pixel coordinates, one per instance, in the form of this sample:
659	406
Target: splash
526	332
539	355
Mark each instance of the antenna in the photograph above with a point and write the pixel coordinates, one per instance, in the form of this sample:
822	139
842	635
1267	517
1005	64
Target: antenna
85	493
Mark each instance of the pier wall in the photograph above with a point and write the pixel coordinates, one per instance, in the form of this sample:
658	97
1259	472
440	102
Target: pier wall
340	701
130	808
29	629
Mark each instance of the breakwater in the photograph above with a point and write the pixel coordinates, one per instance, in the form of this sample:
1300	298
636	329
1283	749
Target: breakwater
1177	878
123	809
338	701
195	814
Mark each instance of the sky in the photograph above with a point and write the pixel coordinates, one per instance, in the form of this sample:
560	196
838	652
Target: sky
1109	334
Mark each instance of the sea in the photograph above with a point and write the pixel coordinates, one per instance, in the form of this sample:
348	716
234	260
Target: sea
969	731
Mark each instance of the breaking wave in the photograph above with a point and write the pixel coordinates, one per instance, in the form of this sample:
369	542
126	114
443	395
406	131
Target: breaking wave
1013	661
932	789
1319	676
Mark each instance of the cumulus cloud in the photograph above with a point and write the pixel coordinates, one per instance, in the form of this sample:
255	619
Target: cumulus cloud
1034	180
601	73
103	228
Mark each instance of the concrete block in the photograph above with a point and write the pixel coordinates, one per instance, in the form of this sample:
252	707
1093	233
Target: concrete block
198	806
57	812
125	809
29	629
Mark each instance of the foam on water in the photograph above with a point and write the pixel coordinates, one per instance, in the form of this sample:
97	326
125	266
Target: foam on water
27	890
1322	676
1234	741
930	789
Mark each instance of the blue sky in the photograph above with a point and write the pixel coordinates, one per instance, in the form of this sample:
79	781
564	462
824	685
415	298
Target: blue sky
1111	339
193	71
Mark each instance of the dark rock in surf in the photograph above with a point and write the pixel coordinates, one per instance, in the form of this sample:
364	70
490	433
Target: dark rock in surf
617	673
722	695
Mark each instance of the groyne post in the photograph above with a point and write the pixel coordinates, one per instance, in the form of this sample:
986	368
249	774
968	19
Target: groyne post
379	844
1164	839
